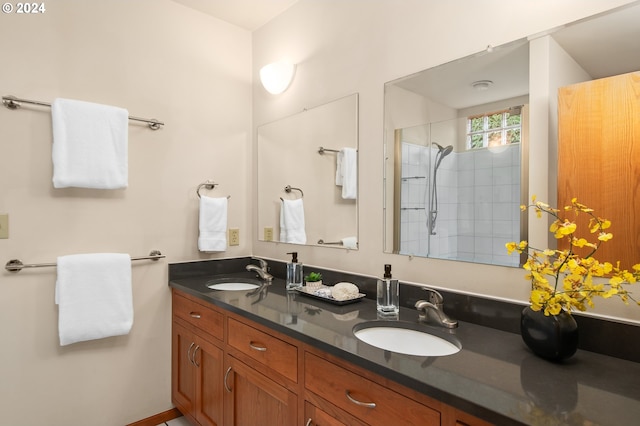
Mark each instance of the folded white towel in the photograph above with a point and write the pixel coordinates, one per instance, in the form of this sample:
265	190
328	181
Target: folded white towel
347	172
292	222
90	144
213	224
93	294
350	242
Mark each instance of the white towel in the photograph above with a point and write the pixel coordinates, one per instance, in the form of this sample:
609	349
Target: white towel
350	242
292	222
347	172
213	224
93	294
90	144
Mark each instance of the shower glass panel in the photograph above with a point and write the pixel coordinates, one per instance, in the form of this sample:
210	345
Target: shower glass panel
455	203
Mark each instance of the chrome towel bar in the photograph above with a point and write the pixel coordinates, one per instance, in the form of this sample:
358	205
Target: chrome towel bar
16	265
12	102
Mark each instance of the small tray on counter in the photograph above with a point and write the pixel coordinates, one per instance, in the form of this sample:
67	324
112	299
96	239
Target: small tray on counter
312	292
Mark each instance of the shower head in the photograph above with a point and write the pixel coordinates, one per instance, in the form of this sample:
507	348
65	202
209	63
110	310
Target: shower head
443	150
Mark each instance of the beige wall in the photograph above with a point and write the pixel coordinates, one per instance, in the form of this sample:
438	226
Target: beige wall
356	46
157	59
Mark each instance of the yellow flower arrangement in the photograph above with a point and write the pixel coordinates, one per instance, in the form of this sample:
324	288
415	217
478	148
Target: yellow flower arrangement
561	280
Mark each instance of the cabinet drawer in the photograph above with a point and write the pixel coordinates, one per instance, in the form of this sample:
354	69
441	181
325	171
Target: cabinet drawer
265	348
365	399
206	319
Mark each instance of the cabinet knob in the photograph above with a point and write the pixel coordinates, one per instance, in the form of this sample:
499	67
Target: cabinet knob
253	346
360	403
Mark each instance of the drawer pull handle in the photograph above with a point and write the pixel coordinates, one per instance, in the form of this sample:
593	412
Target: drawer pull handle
195	315
308	423
195	351
360	403
226	375
189	352
257	348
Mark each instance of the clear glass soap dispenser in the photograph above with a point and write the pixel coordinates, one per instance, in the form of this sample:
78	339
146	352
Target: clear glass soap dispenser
294	272
388	300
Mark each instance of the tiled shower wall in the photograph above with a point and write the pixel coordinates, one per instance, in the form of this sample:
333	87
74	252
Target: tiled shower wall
478	204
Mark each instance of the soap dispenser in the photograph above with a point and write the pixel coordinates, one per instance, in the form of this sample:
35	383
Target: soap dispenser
294	272
388	300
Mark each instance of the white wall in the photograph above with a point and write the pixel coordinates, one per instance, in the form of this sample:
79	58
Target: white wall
157	59
356	46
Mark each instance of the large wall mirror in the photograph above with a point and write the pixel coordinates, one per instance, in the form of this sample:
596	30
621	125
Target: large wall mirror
455	157
307	176
456	139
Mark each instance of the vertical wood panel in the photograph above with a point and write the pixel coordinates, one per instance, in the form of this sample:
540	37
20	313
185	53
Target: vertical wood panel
599	158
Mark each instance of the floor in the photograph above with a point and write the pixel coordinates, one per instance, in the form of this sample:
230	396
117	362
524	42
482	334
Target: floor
180	421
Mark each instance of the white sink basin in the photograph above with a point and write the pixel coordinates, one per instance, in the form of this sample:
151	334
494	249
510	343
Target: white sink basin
405	338
233	286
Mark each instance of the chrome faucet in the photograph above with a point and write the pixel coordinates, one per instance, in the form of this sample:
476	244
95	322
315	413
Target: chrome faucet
431	311
262	270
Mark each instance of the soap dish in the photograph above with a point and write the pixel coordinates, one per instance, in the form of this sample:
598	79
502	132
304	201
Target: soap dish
321	293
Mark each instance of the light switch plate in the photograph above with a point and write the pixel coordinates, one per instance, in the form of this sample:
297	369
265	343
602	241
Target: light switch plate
4	226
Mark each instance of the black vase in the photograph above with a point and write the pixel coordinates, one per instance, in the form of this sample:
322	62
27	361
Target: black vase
553	337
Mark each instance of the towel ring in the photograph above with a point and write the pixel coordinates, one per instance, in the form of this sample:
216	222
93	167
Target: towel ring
207	185
289	188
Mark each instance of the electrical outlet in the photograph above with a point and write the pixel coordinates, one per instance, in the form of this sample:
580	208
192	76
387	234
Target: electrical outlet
234	237
268	233
4	226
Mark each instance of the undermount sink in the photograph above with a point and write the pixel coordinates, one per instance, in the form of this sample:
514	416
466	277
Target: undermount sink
232	285
406	338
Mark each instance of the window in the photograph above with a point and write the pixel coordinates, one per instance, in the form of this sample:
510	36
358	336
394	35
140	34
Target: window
494	128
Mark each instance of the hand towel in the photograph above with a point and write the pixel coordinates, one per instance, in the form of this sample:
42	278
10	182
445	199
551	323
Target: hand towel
213	224
90	144
347	172
292	222
350	242
93	294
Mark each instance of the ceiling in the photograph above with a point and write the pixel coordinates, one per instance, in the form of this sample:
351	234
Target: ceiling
248	14
603	46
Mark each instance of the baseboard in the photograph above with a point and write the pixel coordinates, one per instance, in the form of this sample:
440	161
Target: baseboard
159	418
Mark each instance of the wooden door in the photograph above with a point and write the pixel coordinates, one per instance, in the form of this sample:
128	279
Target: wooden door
599	159
252	399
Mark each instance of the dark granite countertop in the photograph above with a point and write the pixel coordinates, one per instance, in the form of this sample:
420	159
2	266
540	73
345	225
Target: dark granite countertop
494	376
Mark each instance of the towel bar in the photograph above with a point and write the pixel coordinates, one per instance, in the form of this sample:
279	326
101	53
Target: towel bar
322	150
321	241
16	265
12	102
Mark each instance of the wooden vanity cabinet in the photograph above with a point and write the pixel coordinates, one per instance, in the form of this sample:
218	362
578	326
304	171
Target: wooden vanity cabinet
197	364
236	372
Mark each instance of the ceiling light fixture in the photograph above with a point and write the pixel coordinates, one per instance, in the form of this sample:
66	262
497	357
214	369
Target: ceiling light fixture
482	84
277	77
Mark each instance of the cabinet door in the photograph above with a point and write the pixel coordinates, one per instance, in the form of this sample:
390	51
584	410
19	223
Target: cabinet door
183	386
208	360
253	399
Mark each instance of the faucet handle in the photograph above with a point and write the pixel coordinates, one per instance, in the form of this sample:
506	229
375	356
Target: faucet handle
263	263
434	296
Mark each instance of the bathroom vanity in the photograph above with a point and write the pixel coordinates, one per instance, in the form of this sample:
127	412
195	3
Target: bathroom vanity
268	356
